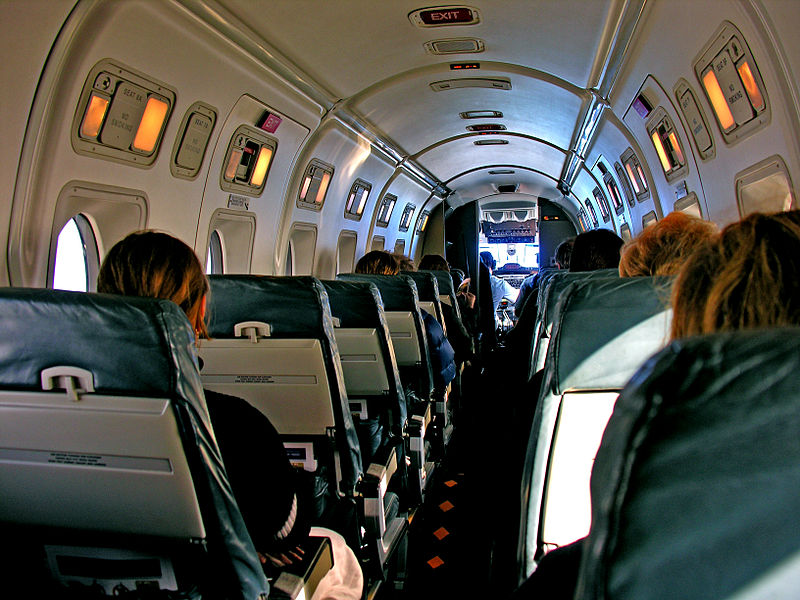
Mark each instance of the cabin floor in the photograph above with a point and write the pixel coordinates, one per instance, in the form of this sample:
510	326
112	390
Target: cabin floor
453	534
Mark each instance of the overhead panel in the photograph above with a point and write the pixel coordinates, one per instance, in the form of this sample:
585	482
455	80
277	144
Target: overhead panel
732	83
192	141
121	115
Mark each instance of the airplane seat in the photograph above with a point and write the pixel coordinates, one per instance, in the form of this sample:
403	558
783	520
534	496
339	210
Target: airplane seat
272	343
696	485
109	468
603	330
376	397
550	290
399	297
401	305
428	290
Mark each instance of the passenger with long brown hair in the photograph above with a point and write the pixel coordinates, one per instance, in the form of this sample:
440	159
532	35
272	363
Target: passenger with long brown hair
746	277
275	505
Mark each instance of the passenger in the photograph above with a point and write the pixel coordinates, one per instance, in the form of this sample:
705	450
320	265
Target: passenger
663	247
457	334
500	287
379	262
745	277
275	506
594	250
404	262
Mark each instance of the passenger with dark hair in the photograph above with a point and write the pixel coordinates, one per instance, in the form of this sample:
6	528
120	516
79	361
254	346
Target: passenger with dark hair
404	263
663	247
594	250
441	352
434	262
378	262
275	506
457	334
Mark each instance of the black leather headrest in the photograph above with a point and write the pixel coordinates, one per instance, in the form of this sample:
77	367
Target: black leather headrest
130	345
696	486
605	329
399	292
355	303
292	306
427	286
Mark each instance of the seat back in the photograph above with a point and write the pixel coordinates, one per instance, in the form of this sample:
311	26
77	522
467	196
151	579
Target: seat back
365	347
406	327
447	293
429	293
550	289
272	343
107	455
696	486
603	330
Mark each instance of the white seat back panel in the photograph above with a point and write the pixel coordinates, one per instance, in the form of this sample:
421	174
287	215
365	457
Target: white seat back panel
362	361
404	338
101	463
283	378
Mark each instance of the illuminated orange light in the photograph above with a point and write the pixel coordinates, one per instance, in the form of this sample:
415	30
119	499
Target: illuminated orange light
304	189
150	126
424	224
233	164
262	164
662	153
676	147
718	102
93	119
756	99
323	188
632	177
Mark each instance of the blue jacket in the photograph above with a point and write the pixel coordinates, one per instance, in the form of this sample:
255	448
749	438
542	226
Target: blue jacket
443	358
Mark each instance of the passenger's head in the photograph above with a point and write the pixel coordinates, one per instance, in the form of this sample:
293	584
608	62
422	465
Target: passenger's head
433	262
404	263
663	247
747	276
156	265
488	260
564	253
595	249
377	262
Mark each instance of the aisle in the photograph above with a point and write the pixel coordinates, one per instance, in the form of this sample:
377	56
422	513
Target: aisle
447	557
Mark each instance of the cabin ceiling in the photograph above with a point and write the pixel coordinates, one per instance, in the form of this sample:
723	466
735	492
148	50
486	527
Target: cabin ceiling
368	62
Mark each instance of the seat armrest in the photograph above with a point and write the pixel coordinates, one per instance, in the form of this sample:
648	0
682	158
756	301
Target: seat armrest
301	578
418	423
373	489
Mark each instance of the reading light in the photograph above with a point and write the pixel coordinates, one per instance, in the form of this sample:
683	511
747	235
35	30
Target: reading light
662	153
304	189
95	113
718	102
424	223
233	164
323	188
150	126
756	99
262	164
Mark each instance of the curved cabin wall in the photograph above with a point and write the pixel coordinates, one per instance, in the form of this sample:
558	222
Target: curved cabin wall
200	66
